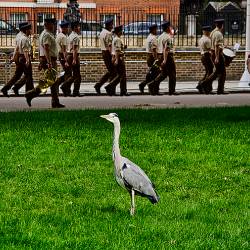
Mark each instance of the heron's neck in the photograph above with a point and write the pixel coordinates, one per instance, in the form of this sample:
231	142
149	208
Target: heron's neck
116	148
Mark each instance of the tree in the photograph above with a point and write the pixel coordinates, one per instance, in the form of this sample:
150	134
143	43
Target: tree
72	13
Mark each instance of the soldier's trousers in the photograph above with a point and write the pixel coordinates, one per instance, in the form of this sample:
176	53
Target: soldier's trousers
27	79
67	71
207	62
168	70
17	75
121	76
110	74
75	75
220	73
54	88
149	76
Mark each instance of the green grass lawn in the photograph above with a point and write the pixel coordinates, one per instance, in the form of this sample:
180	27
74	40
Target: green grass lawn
57	189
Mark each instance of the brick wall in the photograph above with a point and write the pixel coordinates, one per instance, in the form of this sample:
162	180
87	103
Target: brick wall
189	67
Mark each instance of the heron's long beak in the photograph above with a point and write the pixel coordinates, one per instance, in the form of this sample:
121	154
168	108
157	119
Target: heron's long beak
104	116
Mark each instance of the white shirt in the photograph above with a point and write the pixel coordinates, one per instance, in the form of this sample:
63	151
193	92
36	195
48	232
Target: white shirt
217	39
23	44
151	43
117	45
165	41
105	39
74	40
61	40
48	38
205	44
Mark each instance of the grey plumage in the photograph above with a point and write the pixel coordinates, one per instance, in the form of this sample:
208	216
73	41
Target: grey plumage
128	174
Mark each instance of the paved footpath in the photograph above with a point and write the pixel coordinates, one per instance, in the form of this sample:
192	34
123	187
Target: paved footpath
188	97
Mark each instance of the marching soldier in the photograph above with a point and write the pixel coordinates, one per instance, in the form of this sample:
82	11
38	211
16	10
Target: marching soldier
48	56
206	59
62	44
118	58
166	56
151	49
73	62
218	57
24	47
106	47
19	67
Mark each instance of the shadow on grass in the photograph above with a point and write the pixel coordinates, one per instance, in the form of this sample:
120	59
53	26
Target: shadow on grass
111	209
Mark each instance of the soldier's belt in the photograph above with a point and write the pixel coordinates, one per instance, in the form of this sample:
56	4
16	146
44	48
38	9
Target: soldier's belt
52	58
71	54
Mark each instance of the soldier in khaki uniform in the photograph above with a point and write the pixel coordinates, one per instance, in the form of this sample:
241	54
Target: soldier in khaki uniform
48	53
73	62
19	66
62	45
166	56
118	58
151	49
106	46
218	57
24	47
206	59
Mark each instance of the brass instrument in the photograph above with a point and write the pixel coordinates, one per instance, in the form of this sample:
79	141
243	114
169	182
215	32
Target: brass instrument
48	79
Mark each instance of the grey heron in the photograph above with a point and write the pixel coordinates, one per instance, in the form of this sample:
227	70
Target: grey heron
128	174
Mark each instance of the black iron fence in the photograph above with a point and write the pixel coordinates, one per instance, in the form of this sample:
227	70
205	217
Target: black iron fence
136	21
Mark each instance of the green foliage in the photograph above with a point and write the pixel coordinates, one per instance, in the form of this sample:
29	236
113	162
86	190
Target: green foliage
58	191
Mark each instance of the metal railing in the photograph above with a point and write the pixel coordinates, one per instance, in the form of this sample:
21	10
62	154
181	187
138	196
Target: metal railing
136	21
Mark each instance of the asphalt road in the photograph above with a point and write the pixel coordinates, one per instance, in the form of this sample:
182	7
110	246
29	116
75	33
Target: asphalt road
134	101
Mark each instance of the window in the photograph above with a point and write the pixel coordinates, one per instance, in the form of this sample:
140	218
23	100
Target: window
155	18
104	17
16	18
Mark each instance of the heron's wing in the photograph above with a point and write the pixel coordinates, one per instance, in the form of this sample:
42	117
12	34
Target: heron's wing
134	177
135	168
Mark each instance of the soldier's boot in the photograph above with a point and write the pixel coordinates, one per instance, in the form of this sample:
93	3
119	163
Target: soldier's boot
56	104
32	94
15	90
110	90
4	90
66	90
98	88
152	88
142	86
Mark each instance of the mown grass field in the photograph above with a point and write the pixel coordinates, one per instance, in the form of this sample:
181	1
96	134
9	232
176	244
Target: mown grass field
57	189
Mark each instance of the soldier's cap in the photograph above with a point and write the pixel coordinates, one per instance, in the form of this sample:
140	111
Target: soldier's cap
64	24
165	25
109	21
20	25
75	24
152	27
26	27
50	20
219	20
206	28
118	29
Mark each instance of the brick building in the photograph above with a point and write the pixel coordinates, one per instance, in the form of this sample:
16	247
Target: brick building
92	10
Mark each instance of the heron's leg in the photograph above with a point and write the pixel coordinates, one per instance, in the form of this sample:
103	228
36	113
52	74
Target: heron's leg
132	210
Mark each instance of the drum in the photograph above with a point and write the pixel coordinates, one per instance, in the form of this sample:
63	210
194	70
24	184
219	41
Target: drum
229	55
